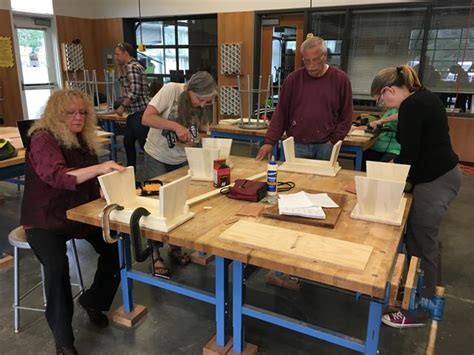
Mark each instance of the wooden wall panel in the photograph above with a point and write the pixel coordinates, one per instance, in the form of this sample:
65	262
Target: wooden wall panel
11	106
94	36
461	131
71	28
234	27
109	32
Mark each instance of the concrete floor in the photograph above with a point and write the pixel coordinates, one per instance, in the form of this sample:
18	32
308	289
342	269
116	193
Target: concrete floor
179	325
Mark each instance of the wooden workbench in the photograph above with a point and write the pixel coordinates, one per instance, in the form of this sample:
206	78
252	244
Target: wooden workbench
201	232
351	144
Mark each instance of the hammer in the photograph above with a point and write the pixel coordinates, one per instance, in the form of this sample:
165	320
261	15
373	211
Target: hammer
430	348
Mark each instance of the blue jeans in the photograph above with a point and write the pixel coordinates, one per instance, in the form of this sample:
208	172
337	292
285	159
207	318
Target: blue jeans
313	151
155	168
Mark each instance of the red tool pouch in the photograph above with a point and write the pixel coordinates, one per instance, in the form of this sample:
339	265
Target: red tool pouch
247	190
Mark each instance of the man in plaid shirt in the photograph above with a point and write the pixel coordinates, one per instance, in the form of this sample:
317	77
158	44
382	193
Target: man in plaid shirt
135	99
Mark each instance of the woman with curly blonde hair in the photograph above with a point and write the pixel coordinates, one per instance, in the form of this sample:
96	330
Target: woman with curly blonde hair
60	173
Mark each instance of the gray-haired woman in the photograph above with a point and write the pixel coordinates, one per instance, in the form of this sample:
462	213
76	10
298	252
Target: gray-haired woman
175	116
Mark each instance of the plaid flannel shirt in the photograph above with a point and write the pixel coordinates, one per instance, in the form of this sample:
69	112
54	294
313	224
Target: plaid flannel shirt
134	86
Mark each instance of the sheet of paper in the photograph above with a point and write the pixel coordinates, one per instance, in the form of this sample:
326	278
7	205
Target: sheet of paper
308	212
297	200
322	200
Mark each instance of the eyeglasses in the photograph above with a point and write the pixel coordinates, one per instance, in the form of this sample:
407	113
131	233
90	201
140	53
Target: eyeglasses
314	60
379	102
75	113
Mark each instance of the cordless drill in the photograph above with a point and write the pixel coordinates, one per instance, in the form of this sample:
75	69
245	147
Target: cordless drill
172	138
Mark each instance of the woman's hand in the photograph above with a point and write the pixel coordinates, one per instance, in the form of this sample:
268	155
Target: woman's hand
376	123
109	166
183	133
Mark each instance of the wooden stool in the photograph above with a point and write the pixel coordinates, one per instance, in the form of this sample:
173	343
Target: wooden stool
17	238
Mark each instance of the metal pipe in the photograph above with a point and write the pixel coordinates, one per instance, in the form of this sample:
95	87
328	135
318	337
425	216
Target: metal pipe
240	101
249	98
94	75
258	98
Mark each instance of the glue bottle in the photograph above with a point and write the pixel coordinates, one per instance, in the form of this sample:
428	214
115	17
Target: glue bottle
272	177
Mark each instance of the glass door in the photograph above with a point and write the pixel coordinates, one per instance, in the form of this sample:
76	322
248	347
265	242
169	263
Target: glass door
37	72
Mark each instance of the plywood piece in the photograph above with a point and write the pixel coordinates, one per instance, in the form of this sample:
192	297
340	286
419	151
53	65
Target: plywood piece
201	162
302	245
223	144
396	279
310	166
332	214
387	171
251	210
130	319
211	348
379	200
166	213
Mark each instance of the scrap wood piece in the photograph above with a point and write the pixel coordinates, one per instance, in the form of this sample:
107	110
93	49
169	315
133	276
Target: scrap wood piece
310	247
251	210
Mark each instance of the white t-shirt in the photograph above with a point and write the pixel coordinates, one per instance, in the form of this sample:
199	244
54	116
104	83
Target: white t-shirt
166	102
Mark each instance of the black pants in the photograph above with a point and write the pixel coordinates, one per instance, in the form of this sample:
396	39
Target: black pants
135	131
373	155
50	249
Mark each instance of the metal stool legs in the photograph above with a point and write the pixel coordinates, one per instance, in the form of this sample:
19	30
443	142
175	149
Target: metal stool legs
17	298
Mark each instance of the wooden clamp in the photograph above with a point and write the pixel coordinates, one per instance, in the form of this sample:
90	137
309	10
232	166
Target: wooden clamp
411	282
396	280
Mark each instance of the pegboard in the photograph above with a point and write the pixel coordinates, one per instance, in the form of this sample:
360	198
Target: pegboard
229	101
230	58
73	58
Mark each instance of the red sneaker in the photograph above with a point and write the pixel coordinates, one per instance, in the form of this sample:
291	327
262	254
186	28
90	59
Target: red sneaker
401	321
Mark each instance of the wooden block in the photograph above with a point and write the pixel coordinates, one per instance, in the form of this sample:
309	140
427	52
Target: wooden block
201	162
396	279
130	319
211	347
332	214
249	349
310	247
411	281
223	144
283	280
202	259
6	262
251	210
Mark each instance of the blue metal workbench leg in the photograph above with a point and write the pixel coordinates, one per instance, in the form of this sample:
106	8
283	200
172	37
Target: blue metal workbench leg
125	266
222	284
358	159
237	302
373	328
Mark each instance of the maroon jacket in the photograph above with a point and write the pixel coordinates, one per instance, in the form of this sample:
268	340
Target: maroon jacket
313	110
49	191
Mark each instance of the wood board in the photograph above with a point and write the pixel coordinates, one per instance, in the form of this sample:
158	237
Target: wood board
332	214
307	246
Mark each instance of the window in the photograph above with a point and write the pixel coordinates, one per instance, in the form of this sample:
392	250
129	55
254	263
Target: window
177	48
37	6
450	51
330	27
381	39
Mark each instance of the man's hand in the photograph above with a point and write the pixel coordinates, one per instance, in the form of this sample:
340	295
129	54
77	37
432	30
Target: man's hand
120	110
376	123
265	151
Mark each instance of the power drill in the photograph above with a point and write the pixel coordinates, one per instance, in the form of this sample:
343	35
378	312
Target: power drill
172	138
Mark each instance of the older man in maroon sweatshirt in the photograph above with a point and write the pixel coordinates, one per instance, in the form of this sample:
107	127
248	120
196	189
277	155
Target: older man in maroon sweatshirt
314	107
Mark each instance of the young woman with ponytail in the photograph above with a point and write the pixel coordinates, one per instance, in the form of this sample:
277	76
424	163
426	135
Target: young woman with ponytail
423	134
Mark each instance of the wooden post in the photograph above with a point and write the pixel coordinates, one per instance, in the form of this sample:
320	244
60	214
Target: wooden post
430	348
